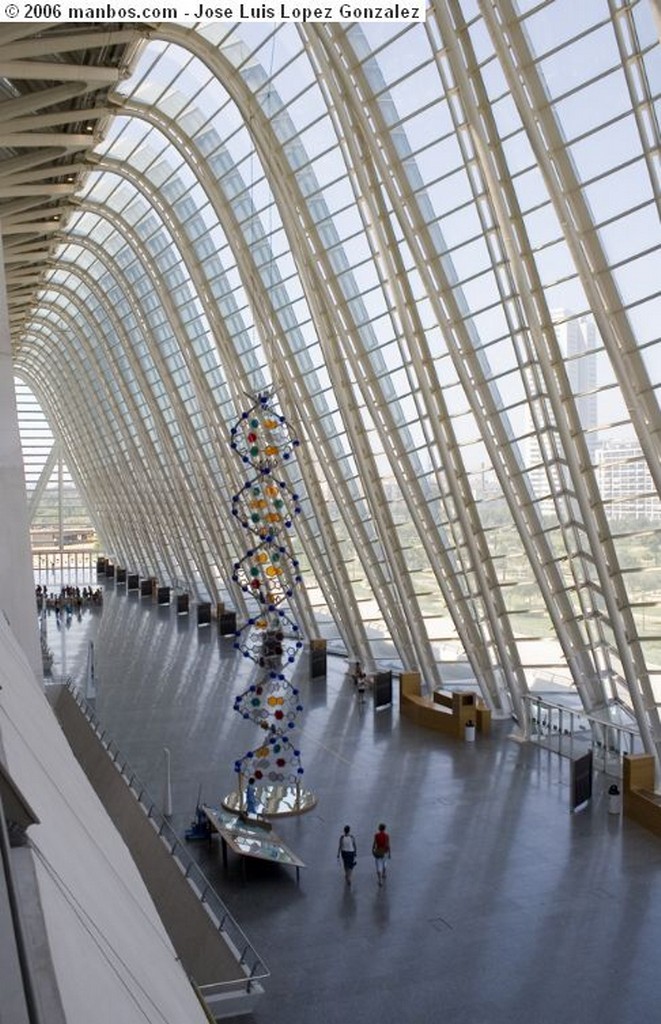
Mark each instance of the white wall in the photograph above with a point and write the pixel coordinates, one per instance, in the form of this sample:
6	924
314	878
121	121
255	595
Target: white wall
16	582
113	959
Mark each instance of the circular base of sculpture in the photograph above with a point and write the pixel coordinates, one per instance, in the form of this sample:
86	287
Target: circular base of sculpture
275	801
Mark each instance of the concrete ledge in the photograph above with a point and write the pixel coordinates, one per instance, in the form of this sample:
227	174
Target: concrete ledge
423	711
483	719
641	803
234	1003
644	808
447	711
206	953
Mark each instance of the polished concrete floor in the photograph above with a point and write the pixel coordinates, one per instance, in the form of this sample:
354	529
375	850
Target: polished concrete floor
500	905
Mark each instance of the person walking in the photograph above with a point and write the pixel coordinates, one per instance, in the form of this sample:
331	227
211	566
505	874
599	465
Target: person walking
381	850
346	849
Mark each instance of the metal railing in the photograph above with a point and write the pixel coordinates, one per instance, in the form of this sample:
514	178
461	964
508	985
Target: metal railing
248	959
548	719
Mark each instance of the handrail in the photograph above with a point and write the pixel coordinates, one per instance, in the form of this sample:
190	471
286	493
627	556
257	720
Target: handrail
247	957
598	726
534	698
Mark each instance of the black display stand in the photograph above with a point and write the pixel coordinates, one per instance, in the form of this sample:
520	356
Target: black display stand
163	595
581	780
120	575
182	604
110	570
383	689
204	614
146	588
317	659
227	623
101	566
132	581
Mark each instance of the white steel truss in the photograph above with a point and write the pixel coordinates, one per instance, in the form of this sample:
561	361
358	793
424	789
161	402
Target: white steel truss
437	245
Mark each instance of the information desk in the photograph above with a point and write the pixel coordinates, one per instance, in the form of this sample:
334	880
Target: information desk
250	840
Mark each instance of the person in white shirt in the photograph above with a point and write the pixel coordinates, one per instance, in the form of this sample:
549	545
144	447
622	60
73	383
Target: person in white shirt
346	849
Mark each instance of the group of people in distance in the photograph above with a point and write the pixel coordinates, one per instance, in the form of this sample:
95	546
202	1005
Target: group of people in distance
68	600
347	851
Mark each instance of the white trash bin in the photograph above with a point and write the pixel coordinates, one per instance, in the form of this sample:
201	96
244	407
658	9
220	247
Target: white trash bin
614	800
469	732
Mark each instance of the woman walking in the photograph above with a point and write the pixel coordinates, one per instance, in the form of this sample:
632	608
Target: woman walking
346	849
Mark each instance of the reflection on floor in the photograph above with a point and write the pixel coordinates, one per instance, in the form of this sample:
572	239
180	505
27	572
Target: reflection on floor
499	906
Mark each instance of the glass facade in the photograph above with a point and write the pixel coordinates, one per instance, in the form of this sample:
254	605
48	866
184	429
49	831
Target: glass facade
438	246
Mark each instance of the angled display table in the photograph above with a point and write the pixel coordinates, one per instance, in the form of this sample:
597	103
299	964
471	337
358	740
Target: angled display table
250	839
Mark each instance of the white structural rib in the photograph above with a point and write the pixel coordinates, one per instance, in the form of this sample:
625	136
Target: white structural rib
573	213
350	223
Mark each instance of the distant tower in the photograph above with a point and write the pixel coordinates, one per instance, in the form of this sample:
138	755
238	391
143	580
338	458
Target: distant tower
625	482
577	341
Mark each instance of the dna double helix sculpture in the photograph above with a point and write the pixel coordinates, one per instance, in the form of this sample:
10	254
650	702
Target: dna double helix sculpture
266	508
